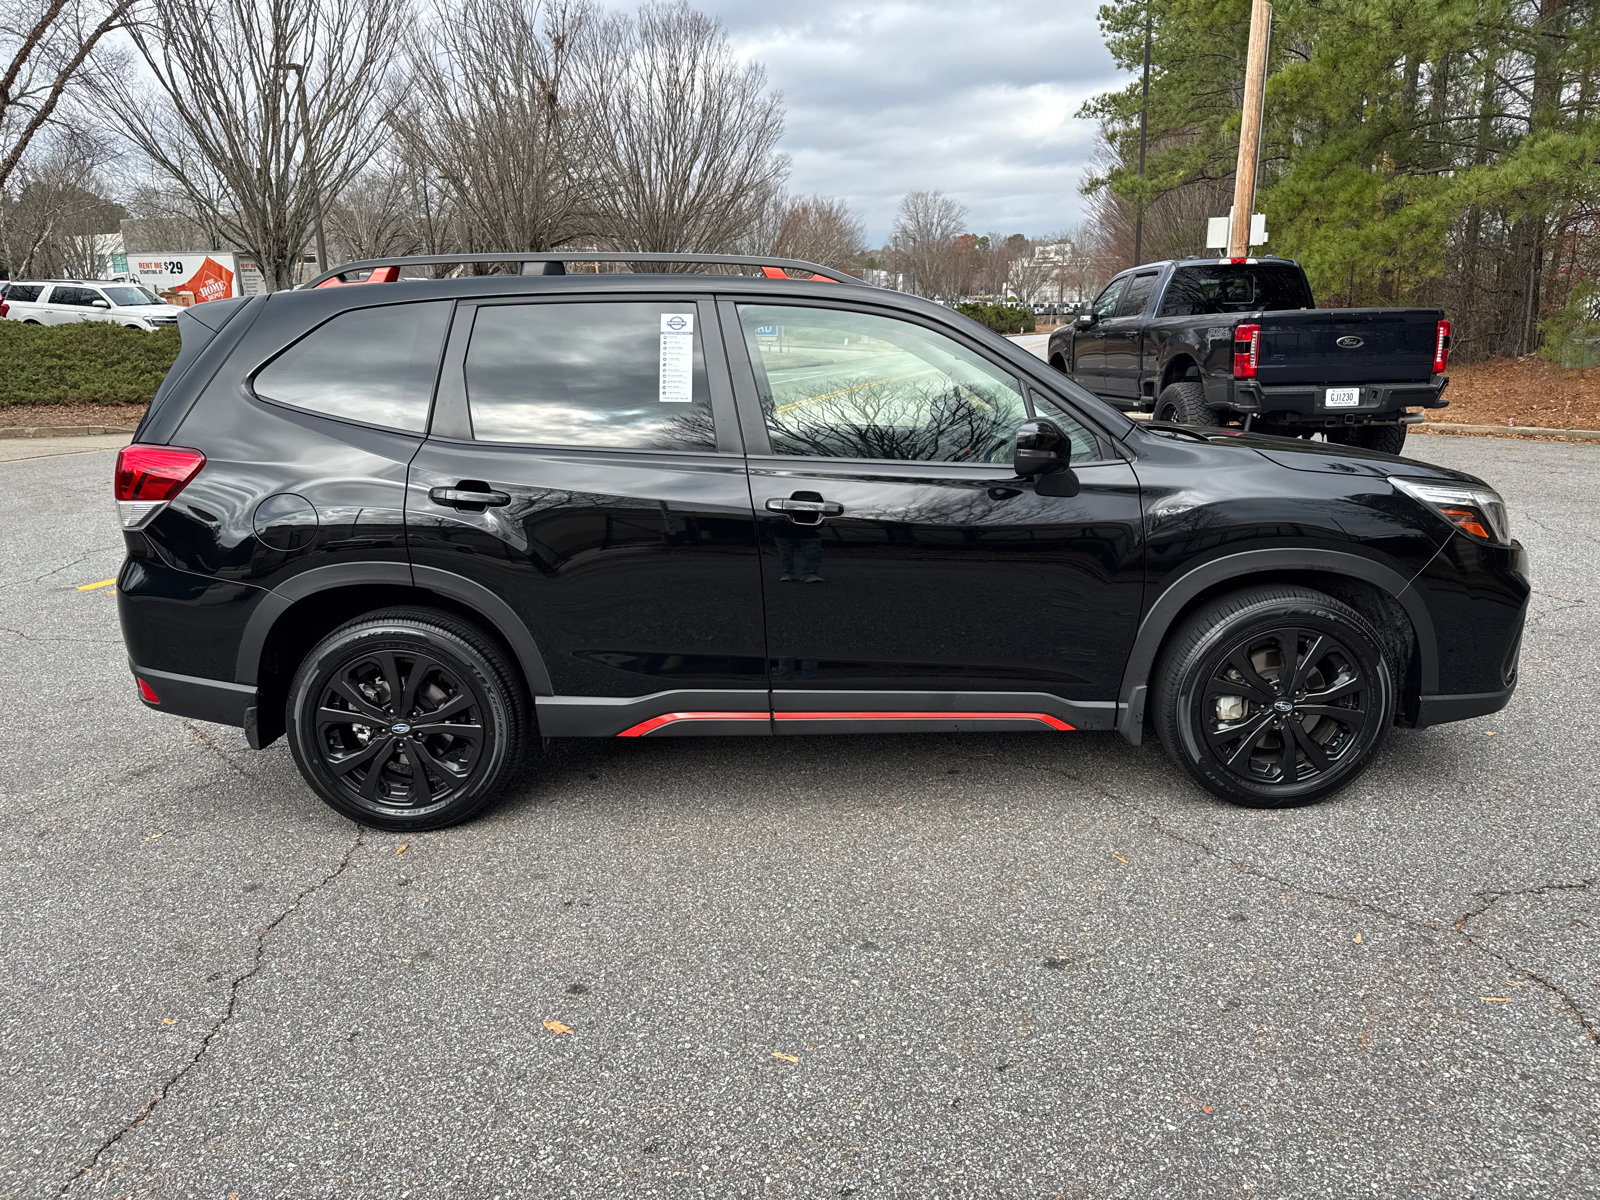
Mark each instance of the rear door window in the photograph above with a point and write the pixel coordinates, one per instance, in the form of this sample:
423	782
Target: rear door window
72	297
374	365
1136	295
1213	288
624	375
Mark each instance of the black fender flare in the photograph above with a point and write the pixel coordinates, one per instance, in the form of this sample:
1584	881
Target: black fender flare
495	612
1158	621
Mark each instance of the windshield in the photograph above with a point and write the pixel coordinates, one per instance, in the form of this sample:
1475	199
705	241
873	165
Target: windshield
1235	287
128	296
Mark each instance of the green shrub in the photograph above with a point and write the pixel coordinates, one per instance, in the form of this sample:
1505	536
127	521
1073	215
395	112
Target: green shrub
91	362
999	317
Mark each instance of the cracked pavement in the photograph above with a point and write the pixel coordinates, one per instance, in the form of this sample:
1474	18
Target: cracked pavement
1003	965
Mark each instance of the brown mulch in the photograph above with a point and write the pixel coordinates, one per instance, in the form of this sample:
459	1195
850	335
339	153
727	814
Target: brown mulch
13	415
1527	390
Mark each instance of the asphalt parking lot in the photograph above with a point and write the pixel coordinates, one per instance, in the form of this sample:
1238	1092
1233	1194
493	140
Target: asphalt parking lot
965	966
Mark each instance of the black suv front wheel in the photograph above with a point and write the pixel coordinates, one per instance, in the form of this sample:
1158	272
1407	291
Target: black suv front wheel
406	719
1274	696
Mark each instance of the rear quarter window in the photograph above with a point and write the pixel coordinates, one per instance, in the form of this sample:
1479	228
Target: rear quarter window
374	365
25	293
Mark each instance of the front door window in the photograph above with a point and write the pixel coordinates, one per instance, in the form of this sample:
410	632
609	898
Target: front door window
838	384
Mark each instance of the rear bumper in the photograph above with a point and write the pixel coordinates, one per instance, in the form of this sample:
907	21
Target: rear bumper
1439	710
1304	404
192	696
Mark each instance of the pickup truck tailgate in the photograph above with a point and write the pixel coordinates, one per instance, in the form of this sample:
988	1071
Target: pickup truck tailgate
1348	345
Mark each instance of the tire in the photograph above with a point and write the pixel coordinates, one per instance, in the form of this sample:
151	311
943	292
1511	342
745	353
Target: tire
357	669
1340	660
1386	438
1184	403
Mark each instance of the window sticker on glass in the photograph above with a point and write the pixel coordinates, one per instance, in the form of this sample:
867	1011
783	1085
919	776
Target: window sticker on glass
677	358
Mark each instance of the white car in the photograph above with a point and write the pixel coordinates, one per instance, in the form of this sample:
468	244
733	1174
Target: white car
68	301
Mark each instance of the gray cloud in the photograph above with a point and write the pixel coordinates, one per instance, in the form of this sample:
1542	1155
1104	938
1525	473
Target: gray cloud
972	99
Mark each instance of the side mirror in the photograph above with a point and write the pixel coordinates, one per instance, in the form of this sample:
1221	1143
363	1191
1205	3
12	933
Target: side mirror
1084	321
100	303
1044	454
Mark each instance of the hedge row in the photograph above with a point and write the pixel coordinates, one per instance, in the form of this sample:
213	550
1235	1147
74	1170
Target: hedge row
91	362
999	317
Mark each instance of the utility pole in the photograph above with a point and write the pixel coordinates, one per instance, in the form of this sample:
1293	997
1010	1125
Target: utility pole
1144	118
305	130
1255	85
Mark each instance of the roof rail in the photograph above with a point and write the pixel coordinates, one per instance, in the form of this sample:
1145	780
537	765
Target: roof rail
387	270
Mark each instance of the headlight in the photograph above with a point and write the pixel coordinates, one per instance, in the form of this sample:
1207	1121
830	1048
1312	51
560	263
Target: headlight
1470	507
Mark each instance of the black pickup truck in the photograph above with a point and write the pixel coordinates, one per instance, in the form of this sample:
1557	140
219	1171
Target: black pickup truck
1239	341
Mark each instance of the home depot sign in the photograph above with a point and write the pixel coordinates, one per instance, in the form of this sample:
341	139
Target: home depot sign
213	276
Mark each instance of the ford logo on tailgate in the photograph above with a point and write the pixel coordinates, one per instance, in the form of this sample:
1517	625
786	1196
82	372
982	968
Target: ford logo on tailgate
1349	343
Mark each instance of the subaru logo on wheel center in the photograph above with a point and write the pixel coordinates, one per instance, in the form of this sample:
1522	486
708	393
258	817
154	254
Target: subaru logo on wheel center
1283	706
402	727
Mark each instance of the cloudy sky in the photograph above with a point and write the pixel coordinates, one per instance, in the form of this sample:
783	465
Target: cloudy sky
974	99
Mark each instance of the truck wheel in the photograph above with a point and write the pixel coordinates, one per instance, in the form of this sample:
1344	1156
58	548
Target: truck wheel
1385	438
1184	403
1274	696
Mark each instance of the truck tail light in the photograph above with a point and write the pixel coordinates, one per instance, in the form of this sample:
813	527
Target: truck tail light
4	309
1246	351
150	476
1441	348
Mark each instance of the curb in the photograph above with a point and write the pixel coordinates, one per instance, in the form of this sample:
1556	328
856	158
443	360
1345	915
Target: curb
57	431
1586	435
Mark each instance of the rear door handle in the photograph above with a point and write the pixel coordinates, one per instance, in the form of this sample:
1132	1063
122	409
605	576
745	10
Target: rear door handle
456	497
817	508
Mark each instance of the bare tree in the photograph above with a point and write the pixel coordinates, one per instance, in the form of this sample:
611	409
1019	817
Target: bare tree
45	49
373	216
229	131
685	135
923	241
823	230
496	115
54	219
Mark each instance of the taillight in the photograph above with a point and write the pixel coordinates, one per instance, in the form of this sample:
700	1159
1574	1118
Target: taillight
149	476
4	309
1246	351
1441	348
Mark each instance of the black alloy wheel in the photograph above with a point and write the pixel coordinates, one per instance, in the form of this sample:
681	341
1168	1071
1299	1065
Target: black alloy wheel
1275	696
405	720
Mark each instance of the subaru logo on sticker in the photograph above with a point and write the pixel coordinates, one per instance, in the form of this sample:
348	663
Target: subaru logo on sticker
1349	343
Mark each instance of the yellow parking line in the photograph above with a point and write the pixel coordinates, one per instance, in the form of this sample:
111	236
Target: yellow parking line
846	391
89	587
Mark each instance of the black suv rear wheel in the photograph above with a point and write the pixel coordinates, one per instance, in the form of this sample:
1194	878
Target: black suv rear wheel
406	719
1274	696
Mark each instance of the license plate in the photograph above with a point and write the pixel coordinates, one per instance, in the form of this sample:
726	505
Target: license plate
1342	398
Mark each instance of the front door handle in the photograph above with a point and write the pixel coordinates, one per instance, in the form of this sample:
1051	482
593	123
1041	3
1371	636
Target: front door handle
805	512
458	497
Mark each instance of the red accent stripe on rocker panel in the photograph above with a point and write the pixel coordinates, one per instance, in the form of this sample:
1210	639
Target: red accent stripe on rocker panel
1045	718
644	727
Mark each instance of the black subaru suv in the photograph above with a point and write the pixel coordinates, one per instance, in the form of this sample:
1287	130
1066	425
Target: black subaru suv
418	525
